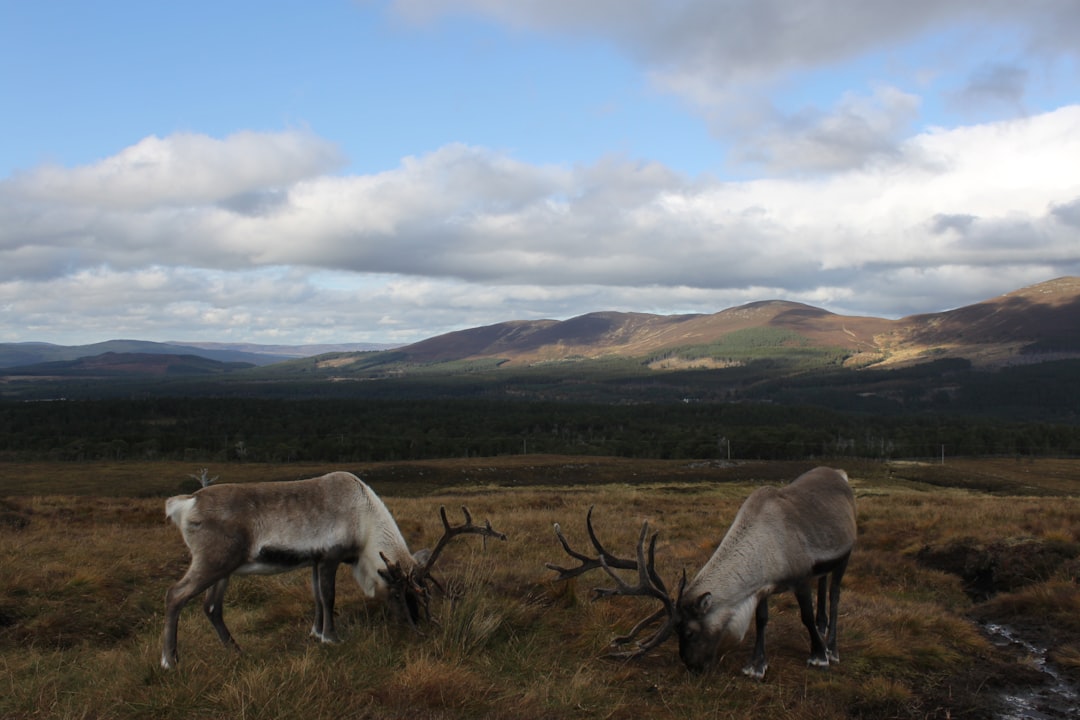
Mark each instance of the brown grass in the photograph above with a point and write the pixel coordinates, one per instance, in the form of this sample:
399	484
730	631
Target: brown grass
83	581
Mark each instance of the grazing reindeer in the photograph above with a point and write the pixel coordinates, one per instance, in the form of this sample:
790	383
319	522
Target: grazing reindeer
272	527
781	539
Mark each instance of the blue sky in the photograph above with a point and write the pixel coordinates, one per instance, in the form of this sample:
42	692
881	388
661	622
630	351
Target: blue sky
288	172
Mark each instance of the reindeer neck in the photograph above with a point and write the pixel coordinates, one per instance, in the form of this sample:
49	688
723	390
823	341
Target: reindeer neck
742	566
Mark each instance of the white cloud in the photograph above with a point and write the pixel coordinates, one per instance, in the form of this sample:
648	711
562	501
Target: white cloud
466	236
729	59
732	40
859	130
184	169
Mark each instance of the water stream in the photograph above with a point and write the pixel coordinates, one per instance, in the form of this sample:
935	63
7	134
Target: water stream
1055	699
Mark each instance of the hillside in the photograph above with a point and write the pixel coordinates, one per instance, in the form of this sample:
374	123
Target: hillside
603	334
1035	323
24	355
31	353
1038	322
120	365
1032	324
1017	355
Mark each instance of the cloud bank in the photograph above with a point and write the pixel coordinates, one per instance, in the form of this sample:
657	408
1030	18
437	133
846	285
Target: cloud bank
732	61
189	228
853	199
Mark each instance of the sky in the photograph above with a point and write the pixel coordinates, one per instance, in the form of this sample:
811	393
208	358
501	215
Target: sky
384	171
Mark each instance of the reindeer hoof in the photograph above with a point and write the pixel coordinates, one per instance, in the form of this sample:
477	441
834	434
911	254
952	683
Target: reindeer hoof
816	662
755	672
328	638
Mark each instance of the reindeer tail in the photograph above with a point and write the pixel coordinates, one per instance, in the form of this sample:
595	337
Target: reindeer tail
177	507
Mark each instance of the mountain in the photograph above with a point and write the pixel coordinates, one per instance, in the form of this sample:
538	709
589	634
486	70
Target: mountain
281	352
31	353
771	338
603	334
1035	323
127	365
1032	324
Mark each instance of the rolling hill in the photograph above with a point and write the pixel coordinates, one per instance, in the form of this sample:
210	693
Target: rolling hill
641	335
1035	323
111	365
31	353
772	351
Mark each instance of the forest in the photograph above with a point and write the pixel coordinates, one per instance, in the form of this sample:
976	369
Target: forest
202	429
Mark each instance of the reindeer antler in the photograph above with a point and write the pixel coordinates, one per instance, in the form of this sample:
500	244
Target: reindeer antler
587	562
649	585
449	533
409	587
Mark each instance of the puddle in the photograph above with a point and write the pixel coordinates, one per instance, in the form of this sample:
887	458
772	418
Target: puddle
1055	699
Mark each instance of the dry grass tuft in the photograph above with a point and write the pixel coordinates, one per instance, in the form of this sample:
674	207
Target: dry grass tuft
436	688
1068	657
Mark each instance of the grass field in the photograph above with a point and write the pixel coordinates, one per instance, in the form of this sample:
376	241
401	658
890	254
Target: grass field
86	557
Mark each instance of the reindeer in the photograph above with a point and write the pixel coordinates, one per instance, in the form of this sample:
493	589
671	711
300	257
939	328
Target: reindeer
273	527
781	539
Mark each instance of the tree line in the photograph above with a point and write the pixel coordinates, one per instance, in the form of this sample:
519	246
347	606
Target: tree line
199	429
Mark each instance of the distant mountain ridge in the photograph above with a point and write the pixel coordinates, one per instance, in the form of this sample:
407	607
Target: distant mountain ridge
1032	324
129	365
289	351
1043	319
602	334
32	353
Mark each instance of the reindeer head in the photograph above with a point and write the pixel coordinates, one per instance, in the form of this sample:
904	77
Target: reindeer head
699	632
408	586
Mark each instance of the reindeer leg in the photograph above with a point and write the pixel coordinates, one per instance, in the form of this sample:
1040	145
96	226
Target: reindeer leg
805	596
758	664
324	578
317	623
834	612
213	606
195	580
822	609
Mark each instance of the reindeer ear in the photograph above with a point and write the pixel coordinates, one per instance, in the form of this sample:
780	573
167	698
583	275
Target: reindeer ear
421	556
704	602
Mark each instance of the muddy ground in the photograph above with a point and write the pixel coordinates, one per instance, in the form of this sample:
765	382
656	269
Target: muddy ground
1028	677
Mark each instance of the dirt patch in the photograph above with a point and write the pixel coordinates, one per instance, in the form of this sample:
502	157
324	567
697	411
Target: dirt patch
977	692
995	577
987	570
1021	590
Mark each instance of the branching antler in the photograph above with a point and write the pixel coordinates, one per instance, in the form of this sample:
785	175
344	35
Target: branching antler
649	585
587	562
449	533
409	586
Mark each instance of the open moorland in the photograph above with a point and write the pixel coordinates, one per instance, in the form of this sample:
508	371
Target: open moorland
962	599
